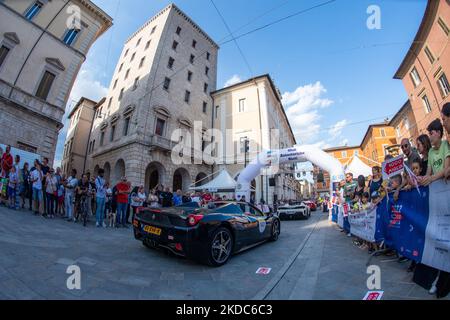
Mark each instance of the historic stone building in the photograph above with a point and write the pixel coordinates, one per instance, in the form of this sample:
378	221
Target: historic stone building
425	70
162	82
252	111
405	124
42	47
76	148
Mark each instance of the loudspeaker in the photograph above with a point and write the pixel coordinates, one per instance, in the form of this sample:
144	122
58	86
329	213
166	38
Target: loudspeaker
272	182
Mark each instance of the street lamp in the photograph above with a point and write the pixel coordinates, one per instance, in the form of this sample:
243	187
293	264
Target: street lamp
246	150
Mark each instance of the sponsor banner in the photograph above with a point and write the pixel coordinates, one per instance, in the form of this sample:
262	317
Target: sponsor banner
417	225
334	213
364	225
436	251
340	219
404	222
393	167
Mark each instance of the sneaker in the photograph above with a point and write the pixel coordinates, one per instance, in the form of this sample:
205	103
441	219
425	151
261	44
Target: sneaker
402	259
433	289
349	234
97	224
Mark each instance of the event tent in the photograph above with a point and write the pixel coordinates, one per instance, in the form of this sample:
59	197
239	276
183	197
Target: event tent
357	167
222	183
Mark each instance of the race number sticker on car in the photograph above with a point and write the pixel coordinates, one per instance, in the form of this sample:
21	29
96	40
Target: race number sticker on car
262	224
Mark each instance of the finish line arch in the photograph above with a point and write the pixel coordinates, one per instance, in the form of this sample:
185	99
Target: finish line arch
270	158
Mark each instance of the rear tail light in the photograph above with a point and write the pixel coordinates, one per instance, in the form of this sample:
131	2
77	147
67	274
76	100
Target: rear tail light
178	247
194	219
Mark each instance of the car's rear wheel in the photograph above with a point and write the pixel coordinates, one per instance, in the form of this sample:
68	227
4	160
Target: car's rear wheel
220	247
276	230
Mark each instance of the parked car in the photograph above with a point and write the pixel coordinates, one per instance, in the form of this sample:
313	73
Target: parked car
295	210
311	204
209	235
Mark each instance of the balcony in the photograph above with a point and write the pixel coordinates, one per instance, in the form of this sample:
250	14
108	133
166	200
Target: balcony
167	145
160	143
31	103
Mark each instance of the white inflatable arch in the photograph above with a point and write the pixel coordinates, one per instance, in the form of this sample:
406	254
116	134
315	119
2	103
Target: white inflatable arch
270	158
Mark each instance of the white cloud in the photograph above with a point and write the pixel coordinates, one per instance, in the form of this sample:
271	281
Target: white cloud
344	142
233	80
85	86
336	129
302	109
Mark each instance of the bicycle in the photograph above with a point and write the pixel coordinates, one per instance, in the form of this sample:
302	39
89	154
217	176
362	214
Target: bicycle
83	209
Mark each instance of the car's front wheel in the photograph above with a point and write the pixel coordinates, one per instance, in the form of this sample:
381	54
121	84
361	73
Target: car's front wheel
220	247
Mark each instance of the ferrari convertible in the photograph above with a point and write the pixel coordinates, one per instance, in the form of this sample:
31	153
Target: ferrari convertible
208	235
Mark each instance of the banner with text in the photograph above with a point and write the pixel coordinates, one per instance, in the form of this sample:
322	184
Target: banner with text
417	225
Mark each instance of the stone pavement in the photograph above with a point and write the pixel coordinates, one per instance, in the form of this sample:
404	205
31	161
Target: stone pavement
311	260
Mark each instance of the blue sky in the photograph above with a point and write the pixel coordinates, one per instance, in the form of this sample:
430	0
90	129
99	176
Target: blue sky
332	70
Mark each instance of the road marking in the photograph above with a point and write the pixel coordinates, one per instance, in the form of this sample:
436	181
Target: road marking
264	292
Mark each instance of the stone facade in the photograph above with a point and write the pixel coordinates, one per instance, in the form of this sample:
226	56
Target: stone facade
80	124
405	124
253	110
35	47
132	131
425	70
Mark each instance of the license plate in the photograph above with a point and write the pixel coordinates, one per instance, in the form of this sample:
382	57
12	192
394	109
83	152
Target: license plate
152	230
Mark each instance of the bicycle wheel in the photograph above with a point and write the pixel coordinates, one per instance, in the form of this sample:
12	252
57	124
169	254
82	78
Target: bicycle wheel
84	213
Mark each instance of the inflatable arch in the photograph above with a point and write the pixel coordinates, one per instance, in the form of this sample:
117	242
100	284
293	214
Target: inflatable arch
270	158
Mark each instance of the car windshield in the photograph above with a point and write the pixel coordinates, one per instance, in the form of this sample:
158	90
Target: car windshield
223	207
191	205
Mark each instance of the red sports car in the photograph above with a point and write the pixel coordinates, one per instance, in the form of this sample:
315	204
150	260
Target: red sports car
311	204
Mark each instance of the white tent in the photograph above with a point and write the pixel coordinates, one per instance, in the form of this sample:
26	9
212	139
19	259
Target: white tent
222	183
357	167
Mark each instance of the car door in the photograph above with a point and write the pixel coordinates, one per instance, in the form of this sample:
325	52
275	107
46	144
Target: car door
258	223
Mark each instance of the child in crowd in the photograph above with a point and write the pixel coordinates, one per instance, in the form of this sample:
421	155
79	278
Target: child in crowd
3	188
365	203
416	168
12	187
395	184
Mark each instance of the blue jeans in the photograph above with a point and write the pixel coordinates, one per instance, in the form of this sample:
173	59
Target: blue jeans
69	205
50	201
100	211
122	213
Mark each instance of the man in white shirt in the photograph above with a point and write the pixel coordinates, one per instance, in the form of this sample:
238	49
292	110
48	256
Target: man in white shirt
100	198
36	180
70	185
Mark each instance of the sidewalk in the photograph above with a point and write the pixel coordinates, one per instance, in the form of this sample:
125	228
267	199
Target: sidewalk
330	267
